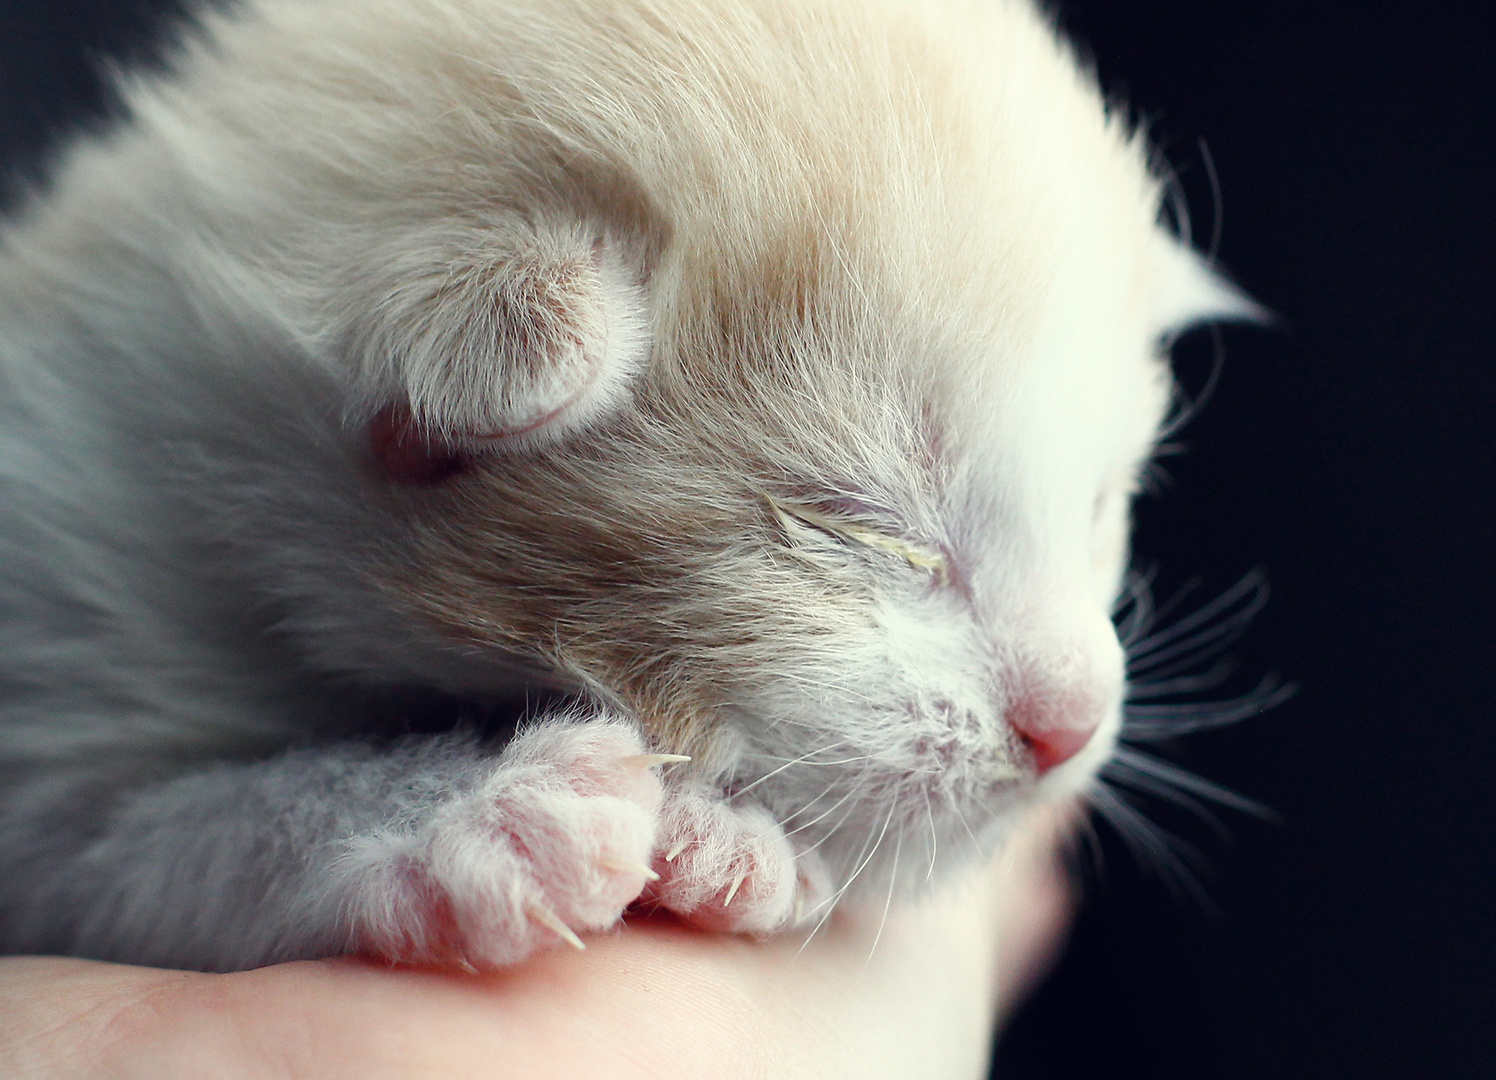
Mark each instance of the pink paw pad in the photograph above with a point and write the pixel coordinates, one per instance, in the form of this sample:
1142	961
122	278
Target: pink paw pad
554	843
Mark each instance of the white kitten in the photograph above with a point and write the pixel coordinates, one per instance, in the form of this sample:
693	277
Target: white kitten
773	375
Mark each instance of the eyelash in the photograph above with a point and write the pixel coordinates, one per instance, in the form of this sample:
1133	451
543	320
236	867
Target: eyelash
919	556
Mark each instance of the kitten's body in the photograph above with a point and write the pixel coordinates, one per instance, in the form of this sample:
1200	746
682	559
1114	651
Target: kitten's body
773	374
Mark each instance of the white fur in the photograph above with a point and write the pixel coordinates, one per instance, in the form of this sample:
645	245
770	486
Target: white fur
657	267
558	824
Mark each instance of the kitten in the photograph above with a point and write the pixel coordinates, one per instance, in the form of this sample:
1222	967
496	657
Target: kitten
759	382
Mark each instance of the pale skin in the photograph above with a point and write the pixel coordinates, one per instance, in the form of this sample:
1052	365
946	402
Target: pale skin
655	1000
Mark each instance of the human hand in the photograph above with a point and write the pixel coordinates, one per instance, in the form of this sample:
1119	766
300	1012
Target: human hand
914	997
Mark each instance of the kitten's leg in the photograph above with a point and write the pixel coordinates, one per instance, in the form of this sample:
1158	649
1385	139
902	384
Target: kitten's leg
727	865
428	852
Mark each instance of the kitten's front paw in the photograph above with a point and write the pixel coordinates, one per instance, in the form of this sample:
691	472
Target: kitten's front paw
555	842
728	866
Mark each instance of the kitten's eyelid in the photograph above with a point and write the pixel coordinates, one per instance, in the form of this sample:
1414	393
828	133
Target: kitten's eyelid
922	557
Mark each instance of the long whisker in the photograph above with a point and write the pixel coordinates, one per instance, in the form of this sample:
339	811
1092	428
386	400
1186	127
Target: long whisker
1141	782
1147	689
801	760
1155	848
1085	834
1145	723
866	854
934	836
840	822
1165	661
1133	611
1155	614
976	845
870	853
851	792
1251	592
1136	766
893	879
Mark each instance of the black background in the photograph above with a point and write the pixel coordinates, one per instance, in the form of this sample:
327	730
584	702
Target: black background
1346	452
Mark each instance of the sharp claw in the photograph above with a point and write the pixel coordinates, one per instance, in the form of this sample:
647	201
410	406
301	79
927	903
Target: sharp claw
623	866
649	761
736	885
674	852
551	921
469	968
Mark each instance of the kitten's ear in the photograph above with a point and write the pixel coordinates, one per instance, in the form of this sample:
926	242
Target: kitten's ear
475	339
1188	291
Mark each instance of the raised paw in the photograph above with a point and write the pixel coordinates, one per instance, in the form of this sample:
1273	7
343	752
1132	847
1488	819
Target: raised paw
728	866
554	842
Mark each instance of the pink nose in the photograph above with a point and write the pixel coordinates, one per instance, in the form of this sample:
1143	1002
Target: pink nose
1056	725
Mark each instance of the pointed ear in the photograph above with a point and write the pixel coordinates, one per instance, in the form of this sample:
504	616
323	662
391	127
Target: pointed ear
1189	290
484	337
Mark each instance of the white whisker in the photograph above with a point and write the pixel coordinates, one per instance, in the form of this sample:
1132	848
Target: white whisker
803	759
1198	627
1155	849
893	880
866	854
934	836
1146	689
851	792
1145	723
1135	766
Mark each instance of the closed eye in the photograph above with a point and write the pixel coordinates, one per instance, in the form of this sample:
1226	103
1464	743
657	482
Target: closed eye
922	557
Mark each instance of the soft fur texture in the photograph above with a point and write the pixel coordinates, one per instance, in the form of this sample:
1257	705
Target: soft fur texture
771	375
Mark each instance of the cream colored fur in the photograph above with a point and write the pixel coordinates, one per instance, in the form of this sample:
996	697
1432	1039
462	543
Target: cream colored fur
789	365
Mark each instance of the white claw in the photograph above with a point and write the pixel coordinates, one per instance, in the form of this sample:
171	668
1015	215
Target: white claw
551	921
623	866
736	885
467	967
649	761
674	852
799	909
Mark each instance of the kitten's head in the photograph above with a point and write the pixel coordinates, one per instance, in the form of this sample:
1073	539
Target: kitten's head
881	369
779	371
